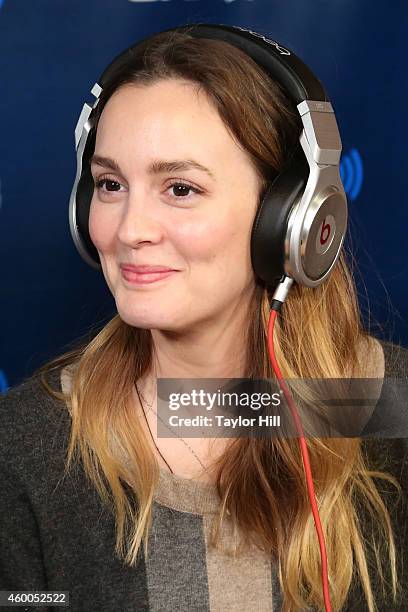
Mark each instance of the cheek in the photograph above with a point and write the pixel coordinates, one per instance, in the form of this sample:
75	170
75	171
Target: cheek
216	240
201	239
101	228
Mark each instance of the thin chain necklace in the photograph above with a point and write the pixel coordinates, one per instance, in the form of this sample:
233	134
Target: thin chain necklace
169	428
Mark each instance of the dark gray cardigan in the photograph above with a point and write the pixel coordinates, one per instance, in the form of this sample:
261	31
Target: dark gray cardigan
56	535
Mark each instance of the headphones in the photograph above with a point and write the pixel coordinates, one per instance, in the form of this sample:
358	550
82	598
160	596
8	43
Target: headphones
301	222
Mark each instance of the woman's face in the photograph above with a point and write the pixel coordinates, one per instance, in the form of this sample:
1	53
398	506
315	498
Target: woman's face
153	138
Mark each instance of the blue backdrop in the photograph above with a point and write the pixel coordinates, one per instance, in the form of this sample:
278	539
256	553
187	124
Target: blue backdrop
52	52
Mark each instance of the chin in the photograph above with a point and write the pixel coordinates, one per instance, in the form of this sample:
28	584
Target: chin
146	320
137	311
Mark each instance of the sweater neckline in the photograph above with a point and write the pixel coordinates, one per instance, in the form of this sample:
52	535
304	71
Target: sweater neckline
186	494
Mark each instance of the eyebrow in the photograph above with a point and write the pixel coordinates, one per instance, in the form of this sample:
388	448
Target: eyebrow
157	166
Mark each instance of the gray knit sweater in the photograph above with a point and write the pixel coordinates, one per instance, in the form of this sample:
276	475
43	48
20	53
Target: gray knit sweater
55	534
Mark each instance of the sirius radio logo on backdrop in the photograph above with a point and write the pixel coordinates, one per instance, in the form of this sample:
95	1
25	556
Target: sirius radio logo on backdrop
3	380
351	173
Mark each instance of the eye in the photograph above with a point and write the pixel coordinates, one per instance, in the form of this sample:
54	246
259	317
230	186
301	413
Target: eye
110	185
181	190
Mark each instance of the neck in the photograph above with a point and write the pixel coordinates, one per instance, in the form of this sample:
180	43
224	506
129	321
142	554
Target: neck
211	349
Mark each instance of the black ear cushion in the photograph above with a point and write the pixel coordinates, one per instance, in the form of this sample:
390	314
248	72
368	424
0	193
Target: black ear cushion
271	221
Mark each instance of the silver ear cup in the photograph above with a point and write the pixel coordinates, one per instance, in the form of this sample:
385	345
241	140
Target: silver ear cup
314	239
323	233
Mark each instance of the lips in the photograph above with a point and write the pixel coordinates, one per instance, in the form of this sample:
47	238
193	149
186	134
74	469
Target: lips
145	268
149	274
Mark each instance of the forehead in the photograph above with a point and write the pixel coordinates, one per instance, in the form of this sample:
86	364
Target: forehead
166	96
169	118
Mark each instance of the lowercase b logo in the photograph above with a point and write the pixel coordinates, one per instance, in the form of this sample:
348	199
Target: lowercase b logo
325	234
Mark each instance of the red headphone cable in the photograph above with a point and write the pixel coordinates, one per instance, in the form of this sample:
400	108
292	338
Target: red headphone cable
277	301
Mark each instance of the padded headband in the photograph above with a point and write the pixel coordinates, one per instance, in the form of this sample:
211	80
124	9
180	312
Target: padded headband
289	70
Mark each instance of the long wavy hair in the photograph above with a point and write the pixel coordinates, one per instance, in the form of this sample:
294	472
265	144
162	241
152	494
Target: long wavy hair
317	336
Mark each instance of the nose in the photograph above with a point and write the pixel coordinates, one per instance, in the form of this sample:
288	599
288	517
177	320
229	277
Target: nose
137	223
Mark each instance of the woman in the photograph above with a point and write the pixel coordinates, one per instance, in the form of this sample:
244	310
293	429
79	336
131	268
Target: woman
140	522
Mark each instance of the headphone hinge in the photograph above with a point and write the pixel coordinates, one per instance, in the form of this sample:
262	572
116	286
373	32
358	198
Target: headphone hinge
321	131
